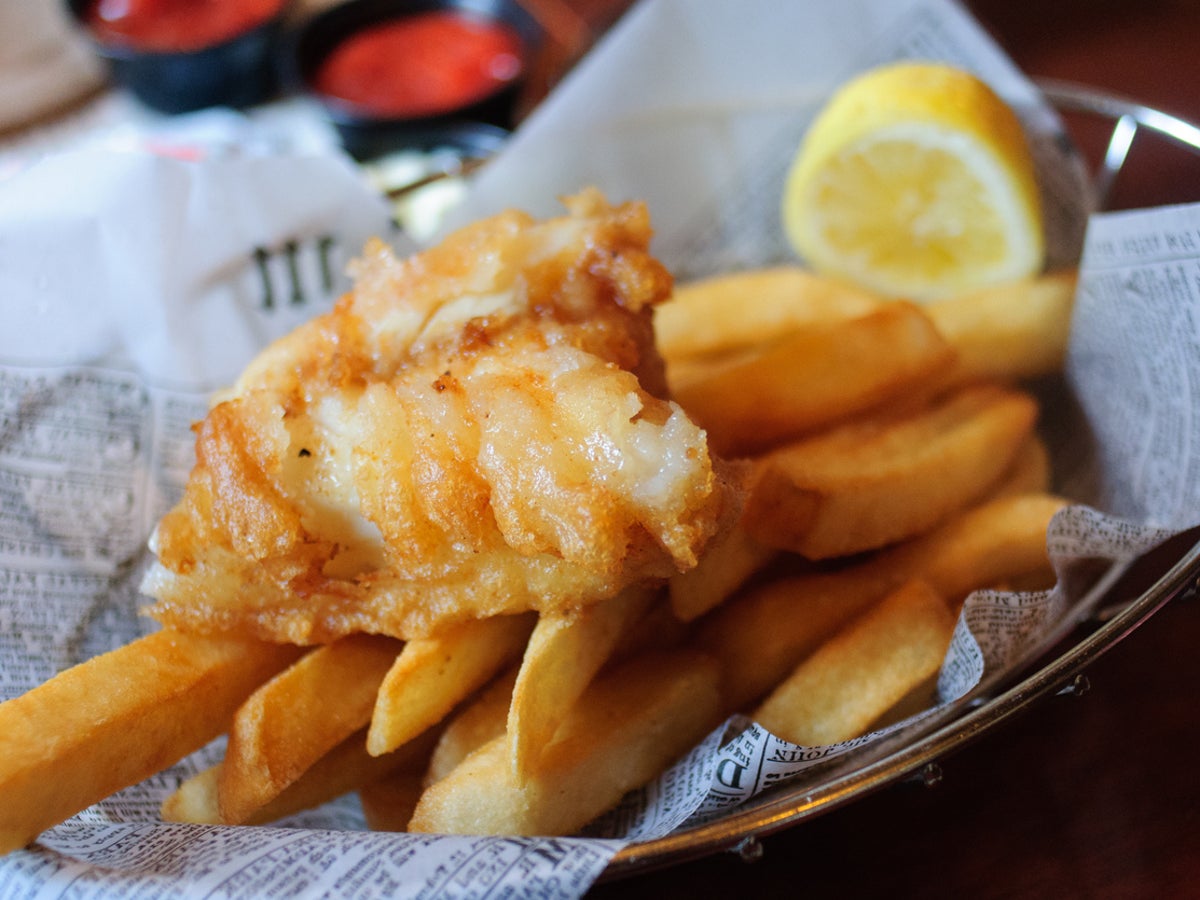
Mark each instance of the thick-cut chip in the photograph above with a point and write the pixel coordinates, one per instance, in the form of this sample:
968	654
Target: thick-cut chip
195	800
884	478
345	768
996	542
811	377
761	635
120	717
299	716
567	648
1029	472
730	561
1013	330
475	724
433	675
628	726
863	671
732	312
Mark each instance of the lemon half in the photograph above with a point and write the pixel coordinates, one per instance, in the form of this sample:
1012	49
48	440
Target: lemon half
916	180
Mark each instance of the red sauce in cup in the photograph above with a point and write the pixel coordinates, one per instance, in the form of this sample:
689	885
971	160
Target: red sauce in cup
421	65
167	26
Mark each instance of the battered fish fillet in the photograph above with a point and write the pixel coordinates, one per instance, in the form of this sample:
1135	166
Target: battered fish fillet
474	431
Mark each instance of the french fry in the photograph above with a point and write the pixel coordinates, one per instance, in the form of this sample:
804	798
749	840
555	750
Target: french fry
999	541
432	675
881	479
1029	472
118	718
727	563
297	717
864	670
480	720
1011	331
347	767
626	728
763	633
564	652
195	800
732	312
811	377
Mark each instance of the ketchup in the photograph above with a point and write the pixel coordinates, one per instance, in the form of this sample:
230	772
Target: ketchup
421	65
173	25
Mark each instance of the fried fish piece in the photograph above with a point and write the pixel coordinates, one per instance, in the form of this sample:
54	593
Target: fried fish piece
477	430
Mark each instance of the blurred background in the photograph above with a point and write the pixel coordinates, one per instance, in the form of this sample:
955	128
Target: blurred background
1139	49
1144	49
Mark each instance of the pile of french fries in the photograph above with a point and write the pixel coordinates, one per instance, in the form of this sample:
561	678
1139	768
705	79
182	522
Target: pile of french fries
894	467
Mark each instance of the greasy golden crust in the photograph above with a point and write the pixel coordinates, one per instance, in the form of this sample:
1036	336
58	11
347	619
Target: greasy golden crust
476	430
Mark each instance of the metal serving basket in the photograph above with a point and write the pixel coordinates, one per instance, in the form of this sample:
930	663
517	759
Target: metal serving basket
1057	665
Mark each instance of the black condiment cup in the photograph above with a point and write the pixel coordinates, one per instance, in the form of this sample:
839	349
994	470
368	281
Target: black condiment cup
237	72
365	135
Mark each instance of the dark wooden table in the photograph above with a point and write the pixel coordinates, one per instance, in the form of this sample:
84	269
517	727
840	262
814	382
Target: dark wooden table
1089	796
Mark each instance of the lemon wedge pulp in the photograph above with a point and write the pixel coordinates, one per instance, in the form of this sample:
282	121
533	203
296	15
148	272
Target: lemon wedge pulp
916	180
